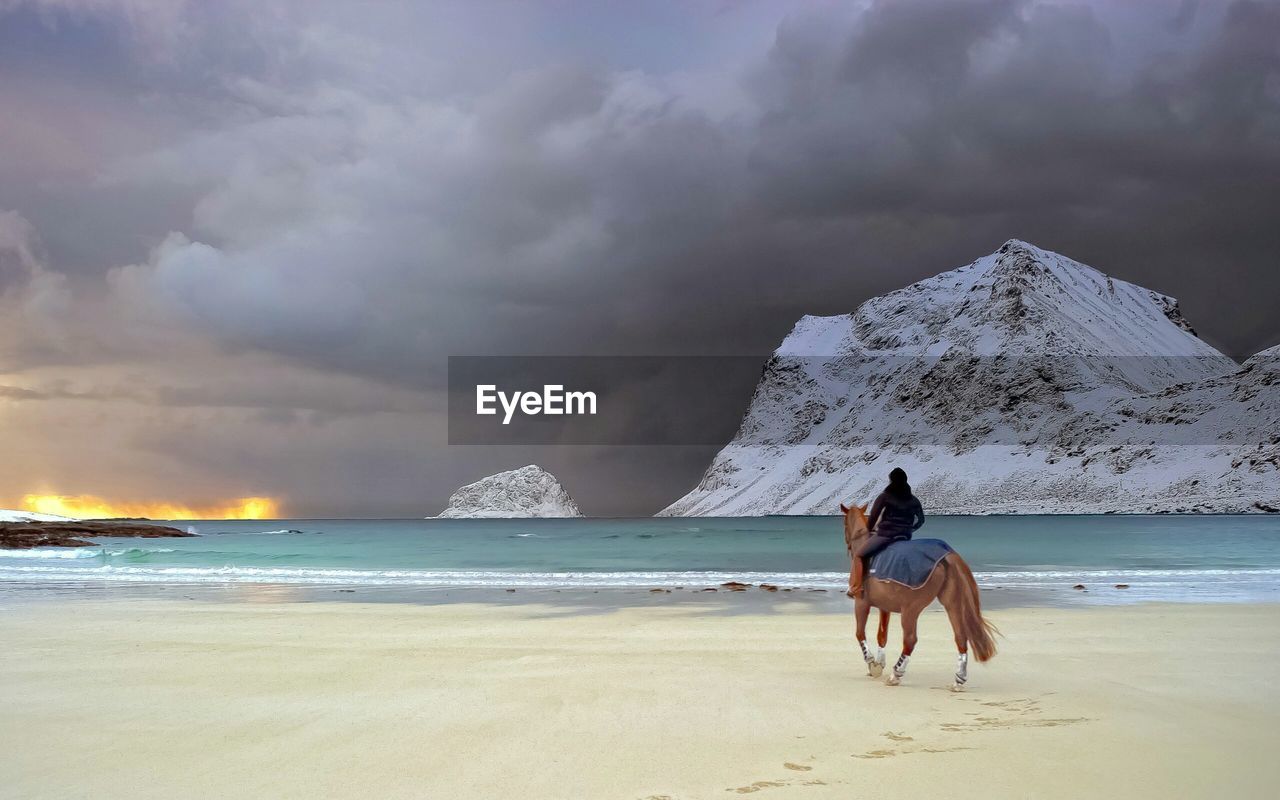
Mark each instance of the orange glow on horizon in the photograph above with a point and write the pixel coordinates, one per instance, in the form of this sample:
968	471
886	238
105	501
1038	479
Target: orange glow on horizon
89	507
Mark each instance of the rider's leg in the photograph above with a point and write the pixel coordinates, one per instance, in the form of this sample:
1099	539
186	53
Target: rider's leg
855	577
869	548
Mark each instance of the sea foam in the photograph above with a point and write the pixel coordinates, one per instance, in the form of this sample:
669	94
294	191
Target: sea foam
583	579
43	552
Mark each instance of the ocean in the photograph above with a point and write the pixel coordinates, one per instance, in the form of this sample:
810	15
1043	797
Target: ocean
1160	558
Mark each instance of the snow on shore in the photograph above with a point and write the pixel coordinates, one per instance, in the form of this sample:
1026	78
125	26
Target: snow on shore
9	515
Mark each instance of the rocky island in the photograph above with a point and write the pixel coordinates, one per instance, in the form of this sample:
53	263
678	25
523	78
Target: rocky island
24	535
519	493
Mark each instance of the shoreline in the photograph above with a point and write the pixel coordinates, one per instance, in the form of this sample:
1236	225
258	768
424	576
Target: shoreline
1015	562
744	598
158	698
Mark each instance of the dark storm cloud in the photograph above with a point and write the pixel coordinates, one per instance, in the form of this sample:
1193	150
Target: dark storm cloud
329	192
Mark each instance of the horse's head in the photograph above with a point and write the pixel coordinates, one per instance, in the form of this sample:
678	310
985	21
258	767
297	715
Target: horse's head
856	528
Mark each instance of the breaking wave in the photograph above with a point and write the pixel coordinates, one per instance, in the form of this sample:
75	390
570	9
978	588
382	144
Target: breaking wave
1138	579
41	552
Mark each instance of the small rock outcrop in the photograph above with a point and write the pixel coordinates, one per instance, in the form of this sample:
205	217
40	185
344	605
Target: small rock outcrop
72	533
519	493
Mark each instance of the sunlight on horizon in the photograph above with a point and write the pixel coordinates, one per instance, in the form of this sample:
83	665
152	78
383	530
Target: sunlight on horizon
91	507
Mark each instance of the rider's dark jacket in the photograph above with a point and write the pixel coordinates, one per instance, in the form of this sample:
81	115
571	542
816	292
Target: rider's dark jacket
895	517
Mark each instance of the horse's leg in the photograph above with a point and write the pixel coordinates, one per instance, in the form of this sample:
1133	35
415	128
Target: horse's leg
882	639
909	618
861	611
962	642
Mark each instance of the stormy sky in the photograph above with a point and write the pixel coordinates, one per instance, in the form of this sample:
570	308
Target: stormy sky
239	240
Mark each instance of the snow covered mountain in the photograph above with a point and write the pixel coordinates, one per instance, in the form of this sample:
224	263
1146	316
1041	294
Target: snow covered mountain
526	492
1024	382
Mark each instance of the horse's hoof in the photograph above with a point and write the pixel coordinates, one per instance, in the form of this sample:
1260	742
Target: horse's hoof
893	680
875	669
957	687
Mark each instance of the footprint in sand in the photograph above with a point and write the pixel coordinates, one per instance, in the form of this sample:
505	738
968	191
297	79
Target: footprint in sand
797	767
1022	705
1022	712
876	754
897	737
911	751
990	723
757	786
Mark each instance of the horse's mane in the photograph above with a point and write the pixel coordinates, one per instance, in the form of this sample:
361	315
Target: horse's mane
854	517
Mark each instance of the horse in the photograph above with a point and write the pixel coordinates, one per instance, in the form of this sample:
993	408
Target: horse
951	582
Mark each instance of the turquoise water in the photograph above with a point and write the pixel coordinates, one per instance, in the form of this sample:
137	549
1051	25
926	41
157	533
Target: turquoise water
1223	558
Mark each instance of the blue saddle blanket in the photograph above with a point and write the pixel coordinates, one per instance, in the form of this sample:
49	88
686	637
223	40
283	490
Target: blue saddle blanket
909	562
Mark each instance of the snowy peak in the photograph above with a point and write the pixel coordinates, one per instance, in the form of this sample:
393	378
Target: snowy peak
1022	294
1265	360
526	492
1032	285
1023	303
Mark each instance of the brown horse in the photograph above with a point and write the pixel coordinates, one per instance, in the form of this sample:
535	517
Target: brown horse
951	582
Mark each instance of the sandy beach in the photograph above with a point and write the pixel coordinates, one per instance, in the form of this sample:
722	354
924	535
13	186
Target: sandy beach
158	698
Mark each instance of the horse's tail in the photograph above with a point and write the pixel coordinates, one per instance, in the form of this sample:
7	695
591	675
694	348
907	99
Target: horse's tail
978	631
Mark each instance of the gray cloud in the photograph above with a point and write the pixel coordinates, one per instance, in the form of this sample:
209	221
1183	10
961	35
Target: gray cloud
349	201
